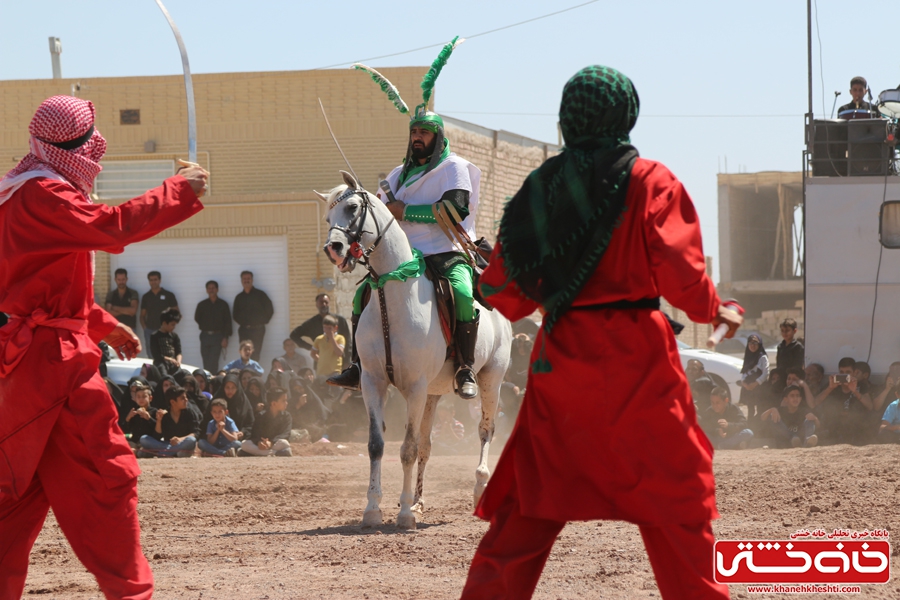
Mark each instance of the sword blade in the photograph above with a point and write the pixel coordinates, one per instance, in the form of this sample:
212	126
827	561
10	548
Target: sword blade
336	142
188	86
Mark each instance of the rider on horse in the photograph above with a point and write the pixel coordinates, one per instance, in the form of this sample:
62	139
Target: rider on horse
431	174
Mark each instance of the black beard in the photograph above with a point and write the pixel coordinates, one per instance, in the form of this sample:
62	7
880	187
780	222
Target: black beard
418	152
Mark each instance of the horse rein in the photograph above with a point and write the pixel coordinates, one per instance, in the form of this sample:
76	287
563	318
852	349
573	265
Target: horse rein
354	232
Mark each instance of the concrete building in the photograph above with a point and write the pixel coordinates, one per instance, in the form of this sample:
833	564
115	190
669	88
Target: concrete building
760	244
263	138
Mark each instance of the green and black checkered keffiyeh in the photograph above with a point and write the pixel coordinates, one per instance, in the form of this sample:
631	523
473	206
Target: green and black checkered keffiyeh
555	230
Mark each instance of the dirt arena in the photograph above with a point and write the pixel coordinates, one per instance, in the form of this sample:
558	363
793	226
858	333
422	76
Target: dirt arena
284	528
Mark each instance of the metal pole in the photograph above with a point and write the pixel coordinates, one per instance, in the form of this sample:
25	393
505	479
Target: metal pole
55	51
809	82
188	86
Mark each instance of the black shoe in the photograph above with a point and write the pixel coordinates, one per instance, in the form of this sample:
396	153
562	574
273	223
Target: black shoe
348	379
466	384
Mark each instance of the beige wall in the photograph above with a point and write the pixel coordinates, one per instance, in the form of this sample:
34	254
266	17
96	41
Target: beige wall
263	138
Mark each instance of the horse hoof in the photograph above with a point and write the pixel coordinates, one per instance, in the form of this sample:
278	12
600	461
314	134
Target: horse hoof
406	521
479	491
419	507
372	518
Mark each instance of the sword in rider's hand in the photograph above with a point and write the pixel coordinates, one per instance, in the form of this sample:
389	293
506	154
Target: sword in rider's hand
322	106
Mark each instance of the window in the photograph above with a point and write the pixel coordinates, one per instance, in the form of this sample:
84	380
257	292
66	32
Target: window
129	178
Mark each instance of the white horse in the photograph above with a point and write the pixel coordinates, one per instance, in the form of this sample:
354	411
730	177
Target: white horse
418	348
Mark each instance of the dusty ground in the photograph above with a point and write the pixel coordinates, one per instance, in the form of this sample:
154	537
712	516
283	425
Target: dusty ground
273	528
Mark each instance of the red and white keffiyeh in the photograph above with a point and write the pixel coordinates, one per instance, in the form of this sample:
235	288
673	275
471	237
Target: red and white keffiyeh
58	120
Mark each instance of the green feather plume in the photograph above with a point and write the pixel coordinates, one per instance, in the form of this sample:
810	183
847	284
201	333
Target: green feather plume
386	86
435	70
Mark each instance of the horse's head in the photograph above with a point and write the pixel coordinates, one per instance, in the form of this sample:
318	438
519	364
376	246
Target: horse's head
351	220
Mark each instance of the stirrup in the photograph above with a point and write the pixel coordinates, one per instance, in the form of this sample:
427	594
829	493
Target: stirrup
348	379
466	383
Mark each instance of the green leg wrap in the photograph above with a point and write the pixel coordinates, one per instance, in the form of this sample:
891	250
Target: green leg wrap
358	300
460	276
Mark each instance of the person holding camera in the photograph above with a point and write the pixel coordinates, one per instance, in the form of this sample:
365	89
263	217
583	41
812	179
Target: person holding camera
843	406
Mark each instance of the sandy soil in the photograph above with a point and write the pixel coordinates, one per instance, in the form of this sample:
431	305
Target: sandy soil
284	528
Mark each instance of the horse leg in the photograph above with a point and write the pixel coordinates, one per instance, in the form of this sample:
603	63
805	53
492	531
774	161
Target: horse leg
424	450
490	395
374	393
415	407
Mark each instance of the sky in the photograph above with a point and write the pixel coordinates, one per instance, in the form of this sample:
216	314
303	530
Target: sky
720	83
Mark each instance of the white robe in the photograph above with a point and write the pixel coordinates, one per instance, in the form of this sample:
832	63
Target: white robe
454	173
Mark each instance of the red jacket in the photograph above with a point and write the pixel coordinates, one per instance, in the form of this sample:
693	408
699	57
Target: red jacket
611	431
48	231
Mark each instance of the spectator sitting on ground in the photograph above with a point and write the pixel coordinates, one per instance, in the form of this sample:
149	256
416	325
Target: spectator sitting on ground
245	361
197	402
889	431
239	408
280	375
772	390
862	371
790	350
294	359
844	409
890	391
754	372
255	394
790	425
328	349
307	410
447	432
272	428
176	429
165	345
222	435
724	423
795	377
520	355
203	383
815	378
701	383
141	419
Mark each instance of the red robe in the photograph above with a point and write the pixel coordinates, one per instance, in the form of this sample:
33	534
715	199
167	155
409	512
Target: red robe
47	233
611	432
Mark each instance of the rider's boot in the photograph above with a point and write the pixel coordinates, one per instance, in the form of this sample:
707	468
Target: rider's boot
466	336
349	377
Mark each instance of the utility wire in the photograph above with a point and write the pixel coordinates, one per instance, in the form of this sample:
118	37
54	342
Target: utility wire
515	114
348	62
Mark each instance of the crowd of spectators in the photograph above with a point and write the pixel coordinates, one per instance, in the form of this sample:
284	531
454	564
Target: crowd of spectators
792	404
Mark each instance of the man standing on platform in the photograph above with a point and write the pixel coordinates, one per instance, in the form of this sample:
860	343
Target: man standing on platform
153	303
60	445
213	317
252	312
122	302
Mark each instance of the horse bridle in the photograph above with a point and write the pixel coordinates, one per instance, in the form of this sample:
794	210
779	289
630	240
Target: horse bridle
354	232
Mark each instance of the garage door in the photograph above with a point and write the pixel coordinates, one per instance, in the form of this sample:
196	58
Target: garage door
187	264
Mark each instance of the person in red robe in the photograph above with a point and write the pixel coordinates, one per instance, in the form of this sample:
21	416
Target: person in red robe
607	428
60	446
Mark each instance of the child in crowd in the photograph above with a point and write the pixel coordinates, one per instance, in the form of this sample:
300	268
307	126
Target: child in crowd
724	423
165	345
789	424
790	350
754	372
176	429
294	359
272	428
245	361
328	349
447	431
140	420
202	379
222	435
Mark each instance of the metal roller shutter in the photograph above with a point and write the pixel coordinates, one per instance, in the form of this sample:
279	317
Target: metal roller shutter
187	264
